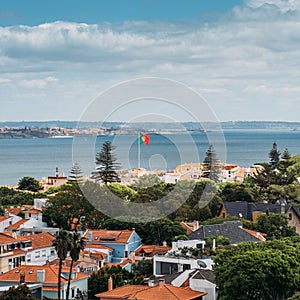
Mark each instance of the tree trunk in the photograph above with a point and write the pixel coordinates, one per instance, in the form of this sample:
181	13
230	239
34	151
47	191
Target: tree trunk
69	280
59	279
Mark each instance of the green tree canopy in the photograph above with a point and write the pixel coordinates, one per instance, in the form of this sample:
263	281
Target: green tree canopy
107	166
275	226
259	271
29	184
20	292
145	181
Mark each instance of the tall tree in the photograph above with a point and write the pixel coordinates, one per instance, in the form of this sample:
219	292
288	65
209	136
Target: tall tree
77	244
212	164
29	184
257	271
62	247
107	166
75	174
274	156
20	292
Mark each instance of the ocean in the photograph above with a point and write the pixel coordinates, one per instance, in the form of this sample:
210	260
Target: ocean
40	157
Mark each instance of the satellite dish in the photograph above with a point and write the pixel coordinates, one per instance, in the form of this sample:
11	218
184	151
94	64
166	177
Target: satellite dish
201	263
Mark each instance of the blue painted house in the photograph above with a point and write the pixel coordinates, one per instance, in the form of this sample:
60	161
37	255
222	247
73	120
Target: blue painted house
123	242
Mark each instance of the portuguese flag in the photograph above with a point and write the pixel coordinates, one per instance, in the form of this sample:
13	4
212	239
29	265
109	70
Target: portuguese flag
144	139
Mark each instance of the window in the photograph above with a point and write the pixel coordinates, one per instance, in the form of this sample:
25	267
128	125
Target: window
290	216
37	254
44	253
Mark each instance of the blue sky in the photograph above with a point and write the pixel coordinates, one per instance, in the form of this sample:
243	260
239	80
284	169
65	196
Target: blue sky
34	12
243	57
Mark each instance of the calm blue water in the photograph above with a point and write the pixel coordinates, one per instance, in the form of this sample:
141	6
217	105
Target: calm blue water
39	157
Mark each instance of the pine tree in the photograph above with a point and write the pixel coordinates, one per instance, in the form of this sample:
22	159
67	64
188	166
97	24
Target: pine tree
274	156
75	174
212	163
107	165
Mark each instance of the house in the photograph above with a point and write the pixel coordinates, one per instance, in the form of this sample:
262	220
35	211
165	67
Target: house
148	251
12	251
30	226
48	277
176	260
197	279
233	230
123	242
252	210
8	220
41	250
161	291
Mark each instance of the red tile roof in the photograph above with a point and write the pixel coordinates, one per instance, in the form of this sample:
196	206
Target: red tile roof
17	225
140	292
2	218
41	240
152	250
110	236
51	274
255	234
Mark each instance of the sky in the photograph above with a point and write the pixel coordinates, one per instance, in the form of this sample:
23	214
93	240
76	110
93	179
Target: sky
242	57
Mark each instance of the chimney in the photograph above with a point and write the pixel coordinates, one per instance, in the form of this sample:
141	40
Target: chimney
40	275
196	225
282	208
161	283
110	284
165	244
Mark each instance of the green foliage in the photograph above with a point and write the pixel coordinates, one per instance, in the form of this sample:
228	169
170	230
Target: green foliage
98	280
212	164
275	226
29	184
146	181
10	197
69	208
268	271
122	191
295	297
152	232
143	268
219	240
75	174
20	292
274	156
236	191
219	220
107	166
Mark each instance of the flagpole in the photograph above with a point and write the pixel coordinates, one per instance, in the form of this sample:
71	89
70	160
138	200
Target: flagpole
139	150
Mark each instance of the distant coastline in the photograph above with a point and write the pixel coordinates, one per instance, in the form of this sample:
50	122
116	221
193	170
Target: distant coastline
68	129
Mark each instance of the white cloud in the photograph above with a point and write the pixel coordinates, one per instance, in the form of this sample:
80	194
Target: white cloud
250	57
37	83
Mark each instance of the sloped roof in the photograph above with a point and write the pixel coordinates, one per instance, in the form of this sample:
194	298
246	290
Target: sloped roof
152	249
256	234
3	218
109	236
30	272
17	225
166	292
5	239
230	229
204	274
41	240
243	209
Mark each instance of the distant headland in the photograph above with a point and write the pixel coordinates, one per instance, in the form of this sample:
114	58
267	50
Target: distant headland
48	129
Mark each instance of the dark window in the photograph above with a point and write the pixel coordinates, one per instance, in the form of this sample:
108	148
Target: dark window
290	216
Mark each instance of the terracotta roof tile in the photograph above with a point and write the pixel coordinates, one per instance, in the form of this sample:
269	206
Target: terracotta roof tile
152	250
2	218
166	292
51	274
109	236
17	225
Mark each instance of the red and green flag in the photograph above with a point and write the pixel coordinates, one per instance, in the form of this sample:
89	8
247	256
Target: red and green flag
144	139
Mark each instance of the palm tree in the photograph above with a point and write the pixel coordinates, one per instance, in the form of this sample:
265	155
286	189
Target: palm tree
77	244
62	247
